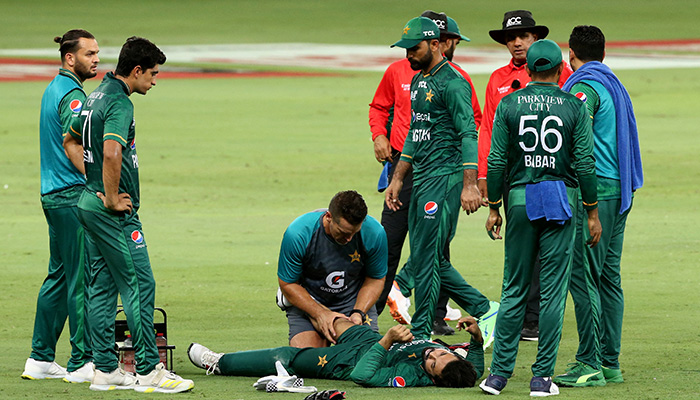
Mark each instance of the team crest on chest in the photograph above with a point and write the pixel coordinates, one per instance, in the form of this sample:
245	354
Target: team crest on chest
354	257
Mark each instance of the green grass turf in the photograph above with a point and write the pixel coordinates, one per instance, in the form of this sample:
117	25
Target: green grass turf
226	164
35	23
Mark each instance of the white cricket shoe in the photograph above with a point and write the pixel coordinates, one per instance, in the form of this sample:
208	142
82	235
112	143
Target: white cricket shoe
160	380
398	305
35	369
115	380
204	358
452	314
82	374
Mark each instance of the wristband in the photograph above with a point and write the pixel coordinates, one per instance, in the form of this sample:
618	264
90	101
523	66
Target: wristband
363	315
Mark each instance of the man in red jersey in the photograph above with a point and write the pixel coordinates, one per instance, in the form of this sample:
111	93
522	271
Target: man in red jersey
519	31
389	120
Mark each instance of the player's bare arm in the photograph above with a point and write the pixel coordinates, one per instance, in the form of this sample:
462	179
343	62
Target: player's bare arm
483	188
594	227
391	195
111	172
396	334
382	149
366	298
470	325
74	151
321	317
471	195
493	224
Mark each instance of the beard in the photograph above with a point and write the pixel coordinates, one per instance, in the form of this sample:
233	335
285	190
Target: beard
83	71
422	63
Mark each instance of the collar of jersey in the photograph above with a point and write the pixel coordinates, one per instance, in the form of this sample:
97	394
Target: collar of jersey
436	68
70	74
111	76
543	83
516	67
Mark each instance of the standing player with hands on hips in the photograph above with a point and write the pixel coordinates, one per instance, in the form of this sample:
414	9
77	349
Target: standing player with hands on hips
542	145
117	251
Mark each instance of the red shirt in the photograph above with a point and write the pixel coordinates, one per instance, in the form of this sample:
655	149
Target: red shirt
394	91
499	86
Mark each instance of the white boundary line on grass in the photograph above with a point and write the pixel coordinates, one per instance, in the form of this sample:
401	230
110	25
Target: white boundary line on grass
354	57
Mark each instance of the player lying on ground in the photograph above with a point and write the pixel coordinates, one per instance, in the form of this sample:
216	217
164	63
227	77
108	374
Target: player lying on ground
361	355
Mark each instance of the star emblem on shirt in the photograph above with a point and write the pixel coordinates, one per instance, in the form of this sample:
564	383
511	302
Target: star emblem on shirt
413	355
368	320
354	257
429	96
322	361
406	29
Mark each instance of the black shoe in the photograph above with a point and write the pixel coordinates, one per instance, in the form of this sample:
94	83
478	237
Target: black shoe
530	332
441	328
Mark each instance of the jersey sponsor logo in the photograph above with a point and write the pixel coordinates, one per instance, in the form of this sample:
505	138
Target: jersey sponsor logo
503	89
428	33
512	21
336	279
398	381
137	237
134	161
76	105
423	84
430	208
420	135
414	93
405	87
420	116
540	102
581	96
133	144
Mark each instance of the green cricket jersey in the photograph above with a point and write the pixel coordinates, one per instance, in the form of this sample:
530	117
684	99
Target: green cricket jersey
108	114
542	133
402	364
442	138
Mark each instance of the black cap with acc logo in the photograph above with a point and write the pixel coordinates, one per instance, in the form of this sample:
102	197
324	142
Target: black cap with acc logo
518	20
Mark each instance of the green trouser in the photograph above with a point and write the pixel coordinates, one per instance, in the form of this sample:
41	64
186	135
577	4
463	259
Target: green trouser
596	288
119	265
523	239
434	211
335	362
62	295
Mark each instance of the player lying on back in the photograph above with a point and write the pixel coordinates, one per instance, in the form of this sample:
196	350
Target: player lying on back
362	356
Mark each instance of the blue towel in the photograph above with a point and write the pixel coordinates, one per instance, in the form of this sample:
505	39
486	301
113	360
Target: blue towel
384	178
628	154
547	199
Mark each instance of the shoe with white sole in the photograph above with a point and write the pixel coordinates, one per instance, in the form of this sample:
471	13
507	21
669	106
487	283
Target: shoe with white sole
543	387
160	380
493	384
82	374
115	380
35	369
452	314
204	358
398	305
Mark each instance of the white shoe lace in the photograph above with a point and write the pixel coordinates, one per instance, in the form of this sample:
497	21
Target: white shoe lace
211	361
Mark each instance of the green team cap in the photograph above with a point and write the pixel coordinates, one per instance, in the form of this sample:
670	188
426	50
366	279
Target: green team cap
453	29
417	30
543	55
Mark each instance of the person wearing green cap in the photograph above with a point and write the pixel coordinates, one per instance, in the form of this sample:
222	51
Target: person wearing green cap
440	149
392	99
543	138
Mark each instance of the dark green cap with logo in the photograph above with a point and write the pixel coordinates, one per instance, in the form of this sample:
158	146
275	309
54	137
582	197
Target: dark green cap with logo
453	30
543	55
417	30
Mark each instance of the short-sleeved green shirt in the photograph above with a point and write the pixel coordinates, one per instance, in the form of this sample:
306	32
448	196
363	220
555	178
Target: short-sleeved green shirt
108	114
442	139
541	133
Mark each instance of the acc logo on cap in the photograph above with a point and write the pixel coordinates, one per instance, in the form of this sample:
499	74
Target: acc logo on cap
398	381
514	21
137	237
581	96
430	207
76	105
